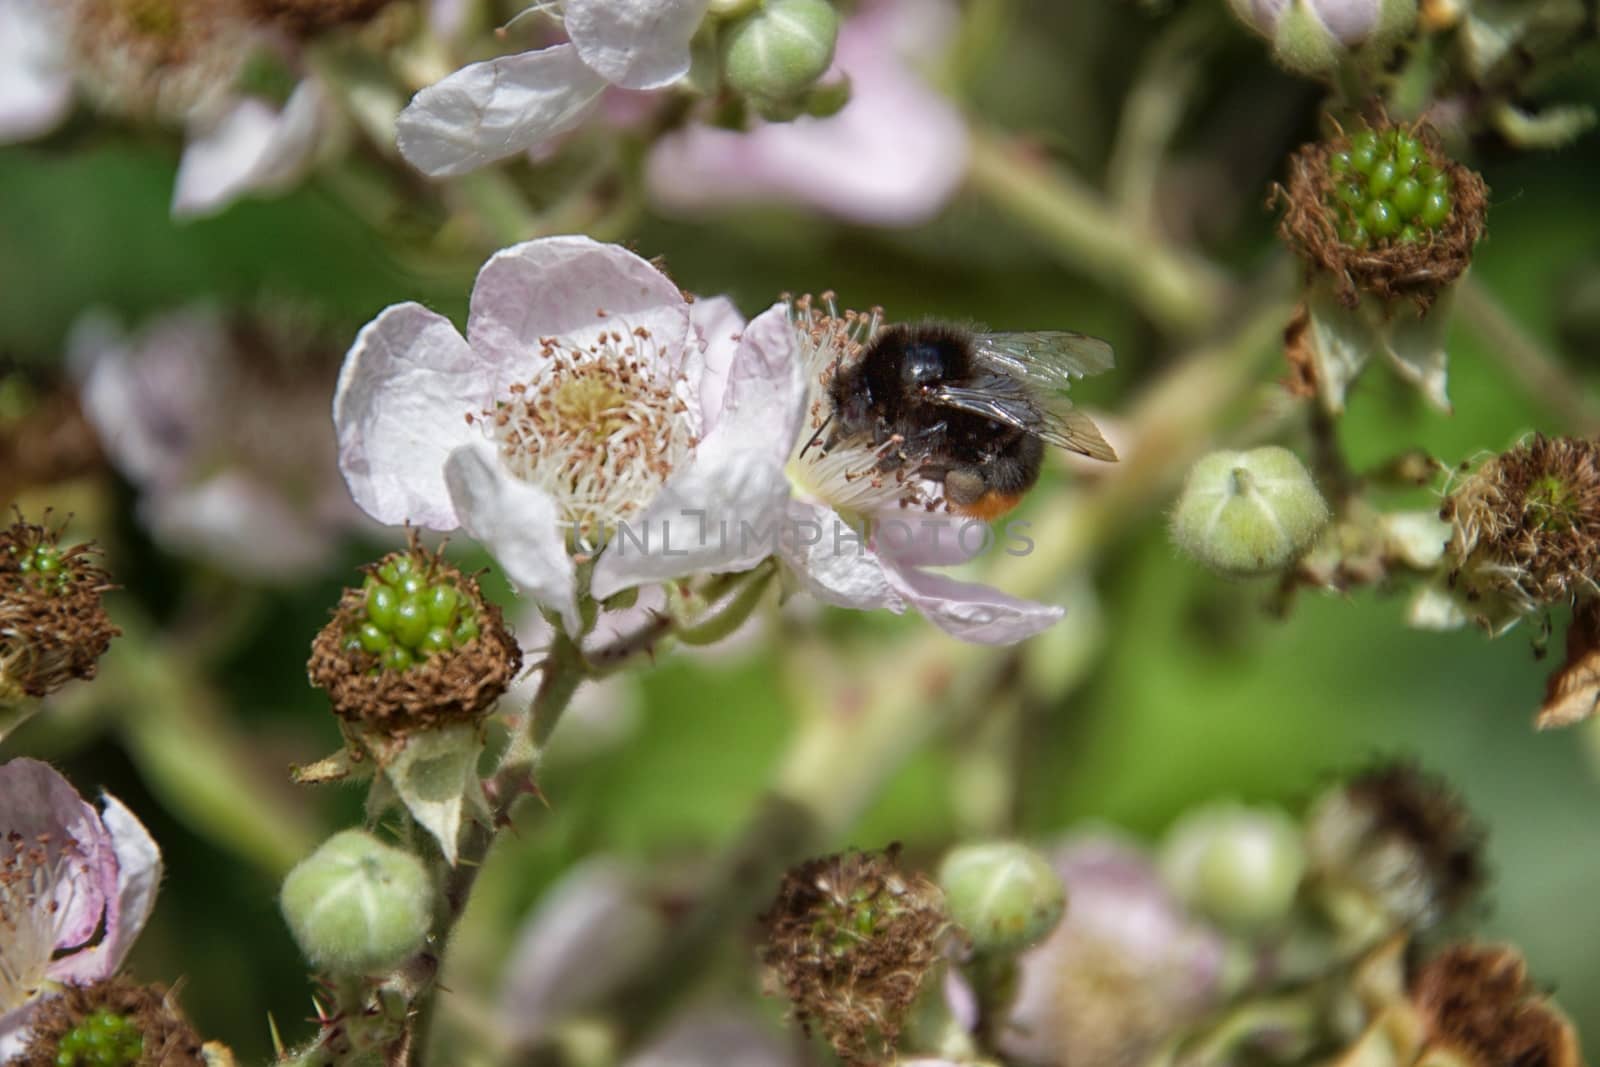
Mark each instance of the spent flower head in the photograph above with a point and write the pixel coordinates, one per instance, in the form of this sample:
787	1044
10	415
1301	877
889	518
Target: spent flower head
115	1023
53	625
1525	528
76	886
416	647
850	940
1393	848
1479	1009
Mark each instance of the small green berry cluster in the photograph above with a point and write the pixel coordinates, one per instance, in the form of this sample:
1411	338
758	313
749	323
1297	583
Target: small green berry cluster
104	1039
42	566
411	613
1387	188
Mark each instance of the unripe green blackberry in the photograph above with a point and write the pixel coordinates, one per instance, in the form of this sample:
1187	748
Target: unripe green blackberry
1005	895
1383	211
1248	513
103	1039
778	51
416	646
357	905
1385	189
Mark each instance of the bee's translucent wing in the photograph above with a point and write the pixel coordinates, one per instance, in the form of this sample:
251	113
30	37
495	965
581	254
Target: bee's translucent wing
1024	384
1045	360
1051	418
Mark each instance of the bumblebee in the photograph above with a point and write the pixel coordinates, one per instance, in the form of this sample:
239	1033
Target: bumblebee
971	410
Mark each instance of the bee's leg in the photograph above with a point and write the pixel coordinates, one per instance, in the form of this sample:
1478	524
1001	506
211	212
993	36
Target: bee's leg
964	486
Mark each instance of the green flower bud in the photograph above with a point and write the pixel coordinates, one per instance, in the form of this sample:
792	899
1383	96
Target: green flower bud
357	905
1240	866
779	51
1248	513
1005	895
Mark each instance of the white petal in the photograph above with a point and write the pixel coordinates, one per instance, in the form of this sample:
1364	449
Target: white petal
241	524
830	562
725	512
972	611
918	539
592	930
637	44
718	324
857	164
35	81
252	148
491	110
405	391
574	288
519	525
138	877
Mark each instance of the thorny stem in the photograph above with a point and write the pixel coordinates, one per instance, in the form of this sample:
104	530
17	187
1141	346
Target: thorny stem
1183	294
1540	371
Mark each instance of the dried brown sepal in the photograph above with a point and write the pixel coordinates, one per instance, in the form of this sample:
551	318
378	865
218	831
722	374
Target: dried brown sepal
1423	811
169	1040
458	685
1573	692
1395	269
1527	523
1476	1001
850	939
53	628
305	18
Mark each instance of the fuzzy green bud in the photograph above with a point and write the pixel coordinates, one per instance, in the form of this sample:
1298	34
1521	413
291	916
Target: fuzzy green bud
1240	866
357	905
1005	895
1248	513
778	51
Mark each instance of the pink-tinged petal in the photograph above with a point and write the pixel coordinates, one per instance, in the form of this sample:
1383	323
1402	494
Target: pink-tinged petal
573	288
240	524
405	391
919	539
725	511
637	44
37	804
150	398
718	324
491	110
971	611
591	931
447	18
518	523
831	562
252	148
14	1033
855	165
35	80
138	863
720	1034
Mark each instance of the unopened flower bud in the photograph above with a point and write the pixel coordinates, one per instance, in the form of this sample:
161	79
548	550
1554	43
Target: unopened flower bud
109	1024
1392	848
1314	36
1240	866
778	51
357	905
850	940
53	626
416	647
1248	513
1005	895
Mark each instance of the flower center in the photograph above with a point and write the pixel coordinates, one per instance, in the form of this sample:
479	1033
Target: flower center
32	905
598	429
161	57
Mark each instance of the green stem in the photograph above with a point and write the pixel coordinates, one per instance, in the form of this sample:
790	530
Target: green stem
1539	371
713	626
1182	293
